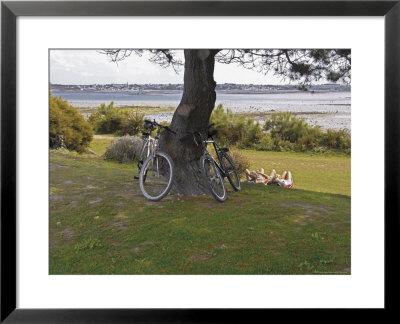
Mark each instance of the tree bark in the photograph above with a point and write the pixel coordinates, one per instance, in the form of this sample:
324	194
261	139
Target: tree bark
192	114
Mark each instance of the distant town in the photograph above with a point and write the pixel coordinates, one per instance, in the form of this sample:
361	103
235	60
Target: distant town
229	87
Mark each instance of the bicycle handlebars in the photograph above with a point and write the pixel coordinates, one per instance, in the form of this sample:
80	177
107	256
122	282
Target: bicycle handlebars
159	125
198	133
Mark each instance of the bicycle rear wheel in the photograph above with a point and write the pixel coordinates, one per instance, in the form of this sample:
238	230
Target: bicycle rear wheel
213	178
230	171
156	174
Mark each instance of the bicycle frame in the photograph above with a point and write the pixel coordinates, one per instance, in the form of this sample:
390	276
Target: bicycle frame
216	148
151	144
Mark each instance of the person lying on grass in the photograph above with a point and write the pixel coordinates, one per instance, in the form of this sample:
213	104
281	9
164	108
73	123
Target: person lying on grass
258	176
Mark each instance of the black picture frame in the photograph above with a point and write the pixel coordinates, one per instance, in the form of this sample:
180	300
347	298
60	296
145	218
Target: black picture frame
10	10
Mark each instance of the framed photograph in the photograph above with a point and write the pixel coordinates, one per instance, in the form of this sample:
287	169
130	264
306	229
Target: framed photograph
120	202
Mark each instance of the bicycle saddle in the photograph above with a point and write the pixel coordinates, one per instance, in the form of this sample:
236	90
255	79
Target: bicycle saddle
148	124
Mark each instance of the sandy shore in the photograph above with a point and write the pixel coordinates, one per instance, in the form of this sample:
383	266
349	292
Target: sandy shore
326	109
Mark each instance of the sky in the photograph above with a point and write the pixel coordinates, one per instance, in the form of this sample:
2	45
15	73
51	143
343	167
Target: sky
91	67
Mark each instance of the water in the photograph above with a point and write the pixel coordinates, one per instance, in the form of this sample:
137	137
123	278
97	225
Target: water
327	109
128	98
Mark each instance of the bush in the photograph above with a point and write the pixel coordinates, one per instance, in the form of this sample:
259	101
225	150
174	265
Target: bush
124	149
281	132
241	162
290	132
253	134
131	124
223	122
236	130
266	143
121	121
337	139
68	129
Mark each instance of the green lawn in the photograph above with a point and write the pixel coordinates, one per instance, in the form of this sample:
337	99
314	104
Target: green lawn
100	143
315	172
101	224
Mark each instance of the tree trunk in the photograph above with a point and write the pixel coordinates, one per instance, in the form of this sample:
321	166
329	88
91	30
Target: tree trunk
192	114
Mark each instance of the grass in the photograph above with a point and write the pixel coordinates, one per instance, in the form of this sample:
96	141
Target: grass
100	143
101	224
329	173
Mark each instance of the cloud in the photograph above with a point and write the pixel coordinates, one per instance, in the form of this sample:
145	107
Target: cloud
90	67
86	74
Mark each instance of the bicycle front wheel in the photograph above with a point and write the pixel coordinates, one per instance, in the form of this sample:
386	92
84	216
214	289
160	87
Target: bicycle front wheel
213	179
230	171
156	174
144	152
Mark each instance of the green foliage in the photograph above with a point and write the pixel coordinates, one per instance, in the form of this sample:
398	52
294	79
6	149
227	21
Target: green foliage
68	128
124	149
224	124
289	128
237	130
133	124
337	140
281	132
292	133
121	121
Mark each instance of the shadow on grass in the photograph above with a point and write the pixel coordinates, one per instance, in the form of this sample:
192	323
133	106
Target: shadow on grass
100	224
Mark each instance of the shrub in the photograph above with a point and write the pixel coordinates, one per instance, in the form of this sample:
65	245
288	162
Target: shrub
106	119
131	124
67	127
266	143
253	134
236	130
223	122
337	139
124	149
291	133
291	129
121	121
281	132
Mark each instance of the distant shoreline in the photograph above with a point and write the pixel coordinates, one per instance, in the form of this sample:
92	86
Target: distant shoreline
282	91
229	88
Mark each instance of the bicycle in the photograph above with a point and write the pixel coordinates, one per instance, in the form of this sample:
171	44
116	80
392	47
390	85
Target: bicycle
214	172
157	170
148	144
